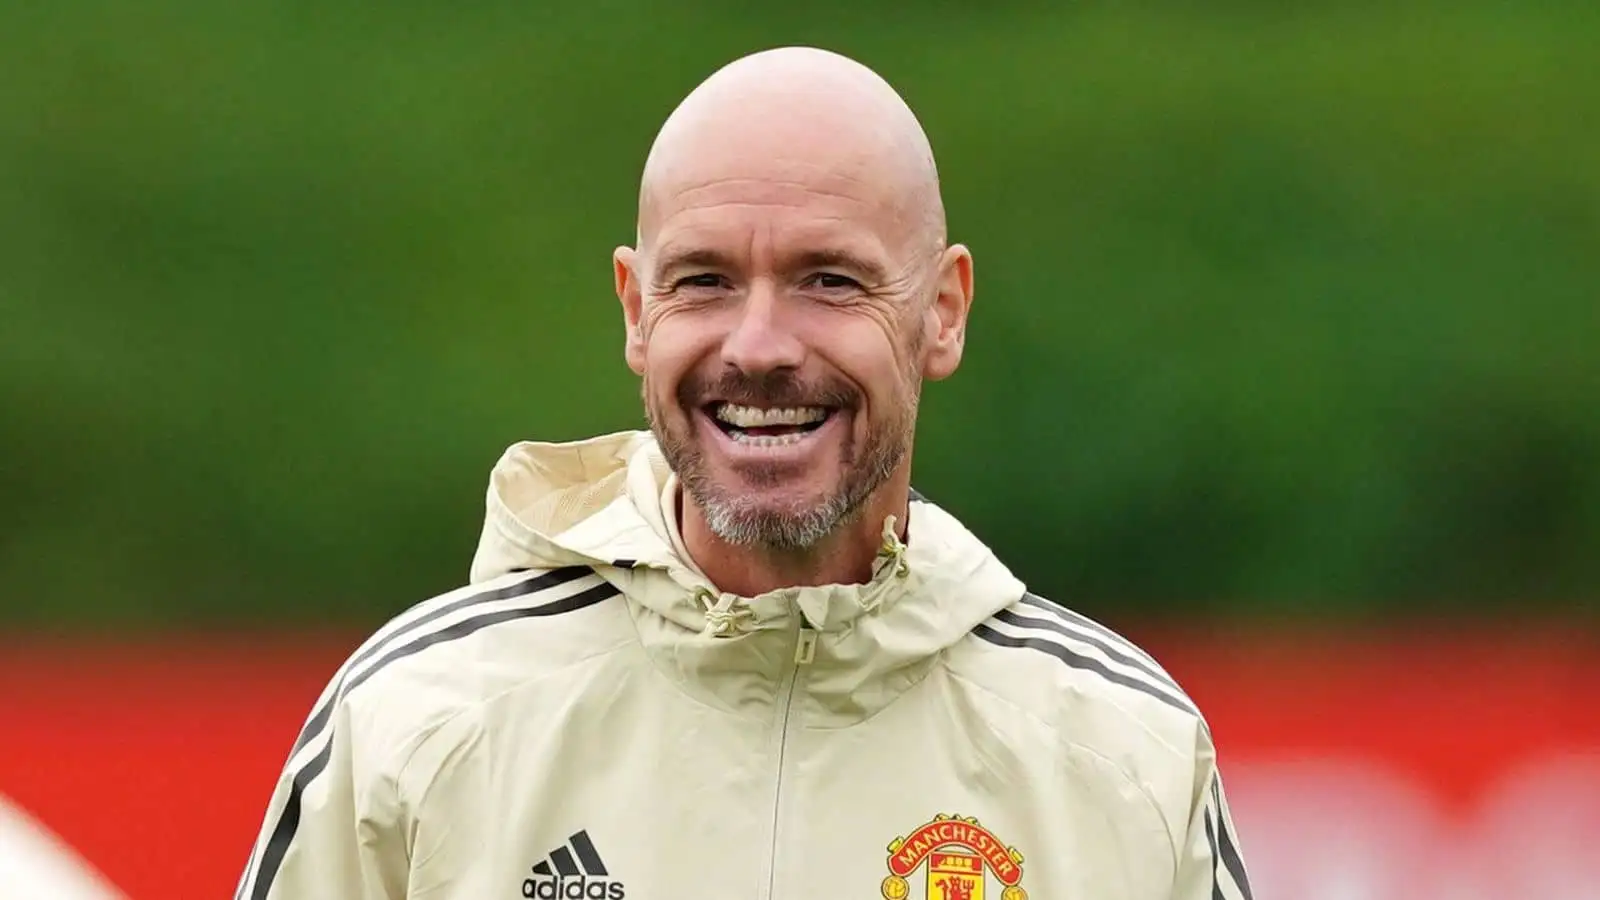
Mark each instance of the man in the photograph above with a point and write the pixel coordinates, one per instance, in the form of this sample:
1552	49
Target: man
737	656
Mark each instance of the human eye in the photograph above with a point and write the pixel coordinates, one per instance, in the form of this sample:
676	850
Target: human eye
833	281
699	281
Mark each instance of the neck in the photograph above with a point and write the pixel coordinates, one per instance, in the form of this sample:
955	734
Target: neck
844	557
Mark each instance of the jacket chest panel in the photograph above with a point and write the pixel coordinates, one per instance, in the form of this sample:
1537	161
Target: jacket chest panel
657	797
907	820
652	795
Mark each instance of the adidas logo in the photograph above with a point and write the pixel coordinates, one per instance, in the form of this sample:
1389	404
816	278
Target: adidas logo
573	871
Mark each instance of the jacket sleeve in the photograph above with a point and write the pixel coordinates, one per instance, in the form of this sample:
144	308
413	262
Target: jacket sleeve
1210	866
332	829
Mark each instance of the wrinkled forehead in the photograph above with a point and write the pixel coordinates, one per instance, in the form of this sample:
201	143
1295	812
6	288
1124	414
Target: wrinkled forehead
783	186
761	220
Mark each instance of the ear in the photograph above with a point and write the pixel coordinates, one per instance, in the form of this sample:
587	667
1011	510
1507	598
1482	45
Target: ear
946	320
624	262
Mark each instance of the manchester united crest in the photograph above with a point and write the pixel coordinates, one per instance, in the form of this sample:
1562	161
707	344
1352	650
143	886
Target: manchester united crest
956	859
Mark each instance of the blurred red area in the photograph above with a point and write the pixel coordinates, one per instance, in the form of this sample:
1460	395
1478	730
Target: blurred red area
154	760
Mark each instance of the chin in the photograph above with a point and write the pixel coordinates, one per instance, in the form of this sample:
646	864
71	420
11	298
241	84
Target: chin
785	527
769	492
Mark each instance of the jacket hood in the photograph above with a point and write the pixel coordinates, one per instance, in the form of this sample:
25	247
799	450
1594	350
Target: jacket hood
568	504
604	503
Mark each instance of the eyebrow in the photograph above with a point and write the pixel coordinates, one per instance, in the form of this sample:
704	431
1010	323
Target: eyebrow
692	258
830	258
869	269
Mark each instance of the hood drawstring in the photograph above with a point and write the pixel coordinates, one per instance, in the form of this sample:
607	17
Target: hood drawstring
892	551
725	615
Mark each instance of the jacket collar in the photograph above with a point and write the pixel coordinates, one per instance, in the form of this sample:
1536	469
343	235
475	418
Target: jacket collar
600	503
605	503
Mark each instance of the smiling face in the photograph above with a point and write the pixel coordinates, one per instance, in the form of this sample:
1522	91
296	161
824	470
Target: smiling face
781	369
790	293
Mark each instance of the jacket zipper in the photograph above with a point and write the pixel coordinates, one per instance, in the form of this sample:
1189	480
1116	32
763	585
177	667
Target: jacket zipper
805	649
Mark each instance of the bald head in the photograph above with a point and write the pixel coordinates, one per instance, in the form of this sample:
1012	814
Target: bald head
792	259
793	113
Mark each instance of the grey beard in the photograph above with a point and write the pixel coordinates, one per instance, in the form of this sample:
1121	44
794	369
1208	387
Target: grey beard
736	520
740	525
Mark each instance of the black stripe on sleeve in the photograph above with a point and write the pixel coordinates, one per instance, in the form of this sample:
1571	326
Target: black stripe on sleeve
545	581
1211	839
1085	663
588	855
289	820
1154	673
1083	621
1230	852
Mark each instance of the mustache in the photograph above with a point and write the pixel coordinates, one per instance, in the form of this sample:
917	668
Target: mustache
779	388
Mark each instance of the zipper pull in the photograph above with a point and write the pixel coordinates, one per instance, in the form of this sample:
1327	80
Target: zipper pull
806	650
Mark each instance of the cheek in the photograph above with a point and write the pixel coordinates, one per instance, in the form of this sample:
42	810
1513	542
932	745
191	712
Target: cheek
673	345
876	359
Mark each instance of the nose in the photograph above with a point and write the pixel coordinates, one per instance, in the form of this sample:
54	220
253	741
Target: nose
761	340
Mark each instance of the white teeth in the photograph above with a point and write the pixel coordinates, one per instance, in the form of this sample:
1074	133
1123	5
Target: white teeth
751	417
768	440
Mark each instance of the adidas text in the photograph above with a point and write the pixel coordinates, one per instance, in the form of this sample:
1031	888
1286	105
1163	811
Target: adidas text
576	887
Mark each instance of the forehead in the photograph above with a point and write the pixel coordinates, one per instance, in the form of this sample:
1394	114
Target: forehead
767	224
776	201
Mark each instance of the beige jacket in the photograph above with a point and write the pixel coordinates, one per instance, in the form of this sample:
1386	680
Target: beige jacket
591	719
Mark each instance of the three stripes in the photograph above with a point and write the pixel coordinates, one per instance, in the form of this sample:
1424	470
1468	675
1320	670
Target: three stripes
581	859
1044	627
1054	630
447	618
1224	859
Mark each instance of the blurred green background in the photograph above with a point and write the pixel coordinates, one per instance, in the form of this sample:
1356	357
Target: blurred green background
1284	313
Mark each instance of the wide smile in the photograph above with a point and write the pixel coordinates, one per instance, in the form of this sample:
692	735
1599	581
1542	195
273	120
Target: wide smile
767	434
